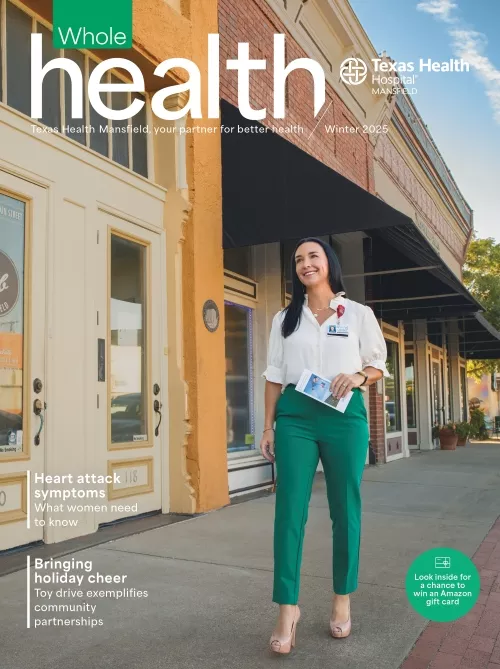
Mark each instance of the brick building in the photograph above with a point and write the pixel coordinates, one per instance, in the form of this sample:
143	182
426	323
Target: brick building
334	176
257	276
350	153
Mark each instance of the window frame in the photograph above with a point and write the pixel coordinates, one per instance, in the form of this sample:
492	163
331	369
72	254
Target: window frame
37	20
147	321
410	350
233	300
397	387
25	453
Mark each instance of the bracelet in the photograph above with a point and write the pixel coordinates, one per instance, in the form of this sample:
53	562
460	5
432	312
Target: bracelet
365	379
268	428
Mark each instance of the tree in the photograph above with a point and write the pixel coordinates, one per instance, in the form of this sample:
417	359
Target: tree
481	276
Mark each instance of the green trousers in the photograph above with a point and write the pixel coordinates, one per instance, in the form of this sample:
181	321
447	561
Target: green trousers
307	430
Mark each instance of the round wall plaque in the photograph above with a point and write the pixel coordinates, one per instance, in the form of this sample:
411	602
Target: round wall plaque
211	316
9	284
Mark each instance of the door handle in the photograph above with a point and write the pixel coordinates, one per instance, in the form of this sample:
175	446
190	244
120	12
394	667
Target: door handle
38	409
157	406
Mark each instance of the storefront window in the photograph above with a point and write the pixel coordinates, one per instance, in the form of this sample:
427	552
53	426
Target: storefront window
392	394
435	334
12	220
463	393
239	378
443	402
93	130
239	261
431	390
436	393
411	411
448	374
409	332
128	342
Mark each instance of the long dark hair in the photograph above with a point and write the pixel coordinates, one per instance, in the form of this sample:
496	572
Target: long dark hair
294	310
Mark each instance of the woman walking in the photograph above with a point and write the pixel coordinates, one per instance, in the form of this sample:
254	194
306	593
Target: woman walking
339	339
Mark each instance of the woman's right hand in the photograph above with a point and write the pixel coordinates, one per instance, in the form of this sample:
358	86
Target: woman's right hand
267	445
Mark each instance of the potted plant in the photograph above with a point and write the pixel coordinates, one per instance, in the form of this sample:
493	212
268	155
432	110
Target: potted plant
447	436
463	431
478	428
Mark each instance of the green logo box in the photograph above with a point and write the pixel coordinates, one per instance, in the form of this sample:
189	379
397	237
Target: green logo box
92	24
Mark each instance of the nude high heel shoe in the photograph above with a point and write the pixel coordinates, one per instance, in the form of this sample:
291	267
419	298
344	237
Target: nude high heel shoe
341	630
285	645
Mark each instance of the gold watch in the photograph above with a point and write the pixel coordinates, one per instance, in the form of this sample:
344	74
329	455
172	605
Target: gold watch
363	374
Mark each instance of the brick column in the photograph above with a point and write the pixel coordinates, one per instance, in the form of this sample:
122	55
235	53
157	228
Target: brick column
377	424
424	418
376	398
453	354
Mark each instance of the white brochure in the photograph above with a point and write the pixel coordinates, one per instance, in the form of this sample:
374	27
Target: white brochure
315	386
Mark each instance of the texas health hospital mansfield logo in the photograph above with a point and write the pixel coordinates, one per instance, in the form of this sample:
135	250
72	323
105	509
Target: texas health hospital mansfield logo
392	77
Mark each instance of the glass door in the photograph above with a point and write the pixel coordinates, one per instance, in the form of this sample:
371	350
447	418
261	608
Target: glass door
239	378
23	208
133	389
393	401
437	393
463	394
411	399
392	389
128	344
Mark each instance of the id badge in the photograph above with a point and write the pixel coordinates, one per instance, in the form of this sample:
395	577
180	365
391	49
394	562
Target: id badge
338	331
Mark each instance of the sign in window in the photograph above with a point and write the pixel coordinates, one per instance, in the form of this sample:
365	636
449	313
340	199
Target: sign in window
12	233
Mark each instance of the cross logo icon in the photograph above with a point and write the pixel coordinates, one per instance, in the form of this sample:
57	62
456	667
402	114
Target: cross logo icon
353	71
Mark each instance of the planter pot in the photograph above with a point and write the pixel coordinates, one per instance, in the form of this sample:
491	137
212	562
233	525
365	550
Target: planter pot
462	441
448	440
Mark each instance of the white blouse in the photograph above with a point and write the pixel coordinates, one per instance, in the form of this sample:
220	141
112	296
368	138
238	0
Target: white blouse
311	347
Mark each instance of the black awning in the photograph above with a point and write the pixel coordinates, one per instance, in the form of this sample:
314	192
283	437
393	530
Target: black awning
433	293
273	191
479	339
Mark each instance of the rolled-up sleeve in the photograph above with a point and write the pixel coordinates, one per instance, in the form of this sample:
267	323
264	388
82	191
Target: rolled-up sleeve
373	349
274	369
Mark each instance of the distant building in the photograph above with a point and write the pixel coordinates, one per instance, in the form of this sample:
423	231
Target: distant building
486	394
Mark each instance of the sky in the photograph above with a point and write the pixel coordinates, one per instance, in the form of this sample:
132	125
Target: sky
461	109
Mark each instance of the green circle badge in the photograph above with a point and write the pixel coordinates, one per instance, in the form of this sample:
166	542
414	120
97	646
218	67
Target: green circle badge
442	584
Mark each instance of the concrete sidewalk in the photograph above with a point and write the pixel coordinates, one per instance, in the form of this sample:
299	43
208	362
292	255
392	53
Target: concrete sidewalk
209	578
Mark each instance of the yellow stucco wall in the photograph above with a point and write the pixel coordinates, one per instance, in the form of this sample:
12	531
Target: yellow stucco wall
205	351
198	458
160	31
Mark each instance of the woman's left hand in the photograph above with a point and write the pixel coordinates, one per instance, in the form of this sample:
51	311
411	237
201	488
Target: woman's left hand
343	383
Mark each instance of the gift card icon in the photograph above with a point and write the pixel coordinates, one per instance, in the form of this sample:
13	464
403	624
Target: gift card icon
442	563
